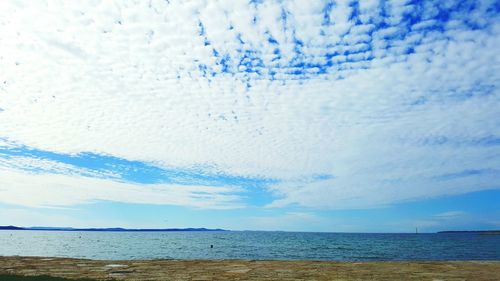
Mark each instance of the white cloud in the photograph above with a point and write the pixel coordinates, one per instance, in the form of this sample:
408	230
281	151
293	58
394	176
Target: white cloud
124	80
55	190
31	164
450	215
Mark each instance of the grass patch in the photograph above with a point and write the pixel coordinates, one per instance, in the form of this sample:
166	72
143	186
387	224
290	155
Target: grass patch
10	277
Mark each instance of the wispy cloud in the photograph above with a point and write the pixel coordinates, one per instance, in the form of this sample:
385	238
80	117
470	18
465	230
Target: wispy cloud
56	190
450	214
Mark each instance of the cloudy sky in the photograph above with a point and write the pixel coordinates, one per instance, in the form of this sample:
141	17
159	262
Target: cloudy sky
289	115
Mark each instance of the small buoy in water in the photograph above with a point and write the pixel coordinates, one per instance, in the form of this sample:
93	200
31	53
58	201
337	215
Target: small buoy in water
211	246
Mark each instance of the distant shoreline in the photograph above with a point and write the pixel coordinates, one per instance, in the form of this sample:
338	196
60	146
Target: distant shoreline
201	229
111	229
482	232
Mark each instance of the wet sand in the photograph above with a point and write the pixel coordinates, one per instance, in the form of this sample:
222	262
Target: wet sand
249	269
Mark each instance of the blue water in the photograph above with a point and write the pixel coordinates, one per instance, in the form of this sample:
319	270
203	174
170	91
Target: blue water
250	245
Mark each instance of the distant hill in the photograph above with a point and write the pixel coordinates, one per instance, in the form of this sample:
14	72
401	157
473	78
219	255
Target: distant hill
482	232
10	227
115	229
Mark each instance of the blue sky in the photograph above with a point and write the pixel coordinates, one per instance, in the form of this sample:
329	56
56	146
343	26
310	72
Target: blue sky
276	115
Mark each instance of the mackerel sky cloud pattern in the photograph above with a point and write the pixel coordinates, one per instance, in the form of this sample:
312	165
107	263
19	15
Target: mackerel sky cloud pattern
235	104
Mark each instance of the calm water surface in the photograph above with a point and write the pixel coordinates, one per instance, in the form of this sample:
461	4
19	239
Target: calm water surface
250	245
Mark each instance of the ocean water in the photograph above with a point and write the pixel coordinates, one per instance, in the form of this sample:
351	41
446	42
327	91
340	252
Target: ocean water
250	245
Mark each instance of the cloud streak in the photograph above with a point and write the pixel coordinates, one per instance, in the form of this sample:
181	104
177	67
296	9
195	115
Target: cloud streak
56	190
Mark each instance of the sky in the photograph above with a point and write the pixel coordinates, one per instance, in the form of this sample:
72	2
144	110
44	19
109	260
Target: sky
341	116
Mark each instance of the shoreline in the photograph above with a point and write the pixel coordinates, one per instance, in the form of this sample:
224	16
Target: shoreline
174	269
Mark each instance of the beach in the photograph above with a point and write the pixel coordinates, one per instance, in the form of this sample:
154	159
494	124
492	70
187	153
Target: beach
249	269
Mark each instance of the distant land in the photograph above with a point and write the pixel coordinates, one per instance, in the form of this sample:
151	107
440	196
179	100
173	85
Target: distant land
482	232
115	229
120	229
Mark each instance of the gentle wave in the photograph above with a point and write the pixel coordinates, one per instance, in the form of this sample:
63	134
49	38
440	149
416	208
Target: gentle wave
250	245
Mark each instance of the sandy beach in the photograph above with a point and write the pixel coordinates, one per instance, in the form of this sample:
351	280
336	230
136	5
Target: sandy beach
249	269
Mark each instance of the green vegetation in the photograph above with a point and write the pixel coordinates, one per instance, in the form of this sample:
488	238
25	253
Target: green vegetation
9	277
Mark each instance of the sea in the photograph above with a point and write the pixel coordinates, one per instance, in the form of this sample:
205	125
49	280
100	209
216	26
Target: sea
253	245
